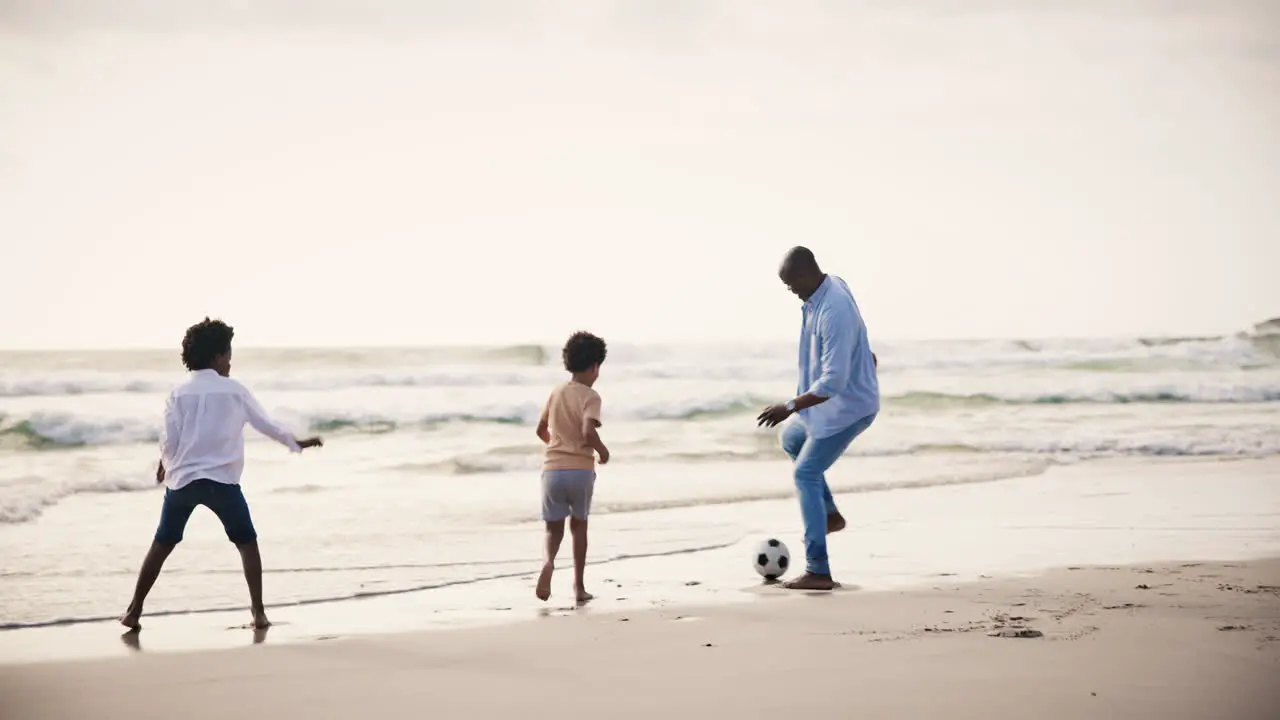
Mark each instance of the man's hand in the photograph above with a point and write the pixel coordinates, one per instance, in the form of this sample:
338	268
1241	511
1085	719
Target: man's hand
604	455
310	443
160	472
772	416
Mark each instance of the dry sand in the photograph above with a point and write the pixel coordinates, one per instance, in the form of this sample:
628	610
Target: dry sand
1183	640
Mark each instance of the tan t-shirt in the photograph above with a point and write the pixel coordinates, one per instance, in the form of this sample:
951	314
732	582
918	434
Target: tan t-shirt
566	409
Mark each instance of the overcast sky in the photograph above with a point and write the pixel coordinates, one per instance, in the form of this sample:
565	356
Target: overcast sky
372	172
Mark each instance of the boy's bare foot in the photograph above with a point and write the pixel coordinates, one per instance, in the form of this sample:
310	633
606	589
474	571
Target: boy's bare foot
543	589
584	597
811	581
131	618
260	621
835	523
132	639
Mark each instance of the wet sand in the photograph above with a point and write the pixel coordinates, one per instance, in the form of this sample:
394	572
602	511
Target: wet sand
1175	640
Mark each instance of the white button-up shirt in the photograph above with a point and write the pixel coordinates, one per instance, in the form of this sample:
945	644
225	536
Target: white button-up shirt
203	435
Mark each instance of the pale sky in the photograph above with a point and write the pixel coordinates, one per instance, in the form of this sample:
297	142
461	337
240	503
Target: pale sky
390	173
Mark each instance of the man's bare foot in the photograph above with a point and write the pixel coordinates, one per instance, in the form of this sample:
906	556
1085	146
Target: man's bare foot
583	597
260	621
811	581
543	589
131	618
835	523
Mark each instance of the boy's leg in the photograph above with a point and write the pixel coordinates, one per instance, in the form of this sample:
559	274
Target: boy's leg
147	575
578	526
794	438
555	508
583	489
251	559
174	513
554	536
229	504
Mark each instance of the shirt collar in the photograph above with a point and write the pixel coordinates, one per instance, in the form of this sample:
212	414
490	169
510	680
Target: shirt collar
820	293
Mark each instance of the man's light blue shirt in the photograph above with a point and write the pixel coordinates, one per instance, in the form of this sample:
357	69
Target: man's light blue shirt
835	361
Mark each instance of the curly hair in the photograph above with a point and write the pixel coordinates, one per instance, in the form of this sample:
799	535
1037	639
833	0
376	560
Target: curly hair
205	341
582	351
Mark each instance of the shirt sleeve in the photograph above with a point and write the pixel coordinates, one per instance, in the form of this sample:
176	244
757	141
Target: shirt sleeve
592	410
170	431
836	328
261	422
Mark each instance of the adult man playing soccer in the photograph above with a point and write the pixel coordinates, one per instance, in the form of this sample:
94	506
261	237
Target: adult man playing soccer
838	398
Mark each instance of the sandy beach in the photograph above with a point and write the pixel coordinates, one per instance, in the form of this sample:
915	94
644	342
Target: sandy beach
1171	610
1135	621
1175	640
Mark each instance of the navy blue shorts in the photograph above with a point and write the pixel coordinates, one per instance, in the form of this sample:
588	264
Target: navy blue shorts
226	501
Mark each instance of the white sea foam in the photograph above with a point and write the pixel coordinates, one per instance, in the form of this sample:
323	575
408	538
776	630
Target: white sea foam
336	370
24	498
73	422
469	413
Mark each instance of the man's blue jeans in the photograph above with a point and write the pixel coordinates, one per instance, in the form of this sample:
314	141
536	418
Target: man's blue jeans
812	460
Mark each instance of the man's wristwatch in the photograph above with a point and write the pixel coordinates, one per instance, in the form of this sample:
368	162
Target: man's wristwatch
790	405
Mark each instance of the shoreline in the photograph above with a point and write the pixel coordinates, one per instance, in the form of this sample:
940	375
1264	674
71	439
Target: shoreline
1091	514
1186	638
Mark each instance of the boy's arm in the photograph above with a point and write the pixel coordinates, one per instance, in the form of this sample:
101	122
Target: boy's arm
590	425
263	423
544	424
170	431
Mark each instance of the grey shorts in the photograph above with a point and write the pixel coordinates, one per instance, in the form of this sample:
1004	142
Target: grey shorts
565	493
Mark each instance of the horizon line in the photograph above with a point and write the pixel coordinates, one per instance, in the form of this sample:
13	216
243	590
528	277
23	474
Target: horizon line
673	342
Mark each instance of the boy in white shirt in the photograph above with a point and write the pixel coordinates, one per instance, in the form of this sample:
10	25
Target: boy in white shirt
201	458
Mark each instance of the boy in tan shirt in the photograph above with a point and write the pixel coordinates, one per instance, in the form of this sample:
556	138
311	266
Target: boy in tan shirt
568	427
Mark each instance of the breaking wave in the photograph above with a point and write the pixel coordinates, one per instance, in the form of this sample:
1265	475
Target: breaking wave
50	430
45	430
70	374
1237	394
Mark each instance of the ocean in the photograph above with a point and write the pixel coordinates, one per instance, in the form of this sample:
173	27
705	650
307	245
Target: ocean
429	476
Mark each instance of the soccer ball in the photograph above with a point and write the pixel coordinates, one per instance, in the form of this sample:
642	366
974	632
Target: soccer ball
772	559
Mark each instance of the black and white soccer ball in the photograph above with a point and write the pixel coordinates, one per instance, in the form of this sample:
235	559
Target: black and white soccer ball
772	559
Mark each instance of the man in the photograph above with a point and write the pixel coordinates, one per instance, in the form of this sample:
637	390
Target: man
838	398
201	458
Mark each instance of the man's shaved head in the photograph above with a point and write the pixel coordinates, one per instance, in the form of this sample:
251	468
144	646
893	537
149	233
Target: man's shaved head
799	258
800	272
